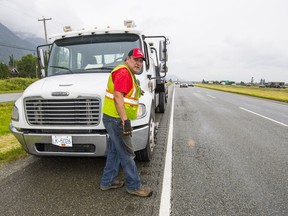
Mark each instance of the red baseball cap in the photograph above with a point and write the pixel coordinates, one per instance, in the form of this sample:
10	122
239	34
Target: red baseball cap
137	53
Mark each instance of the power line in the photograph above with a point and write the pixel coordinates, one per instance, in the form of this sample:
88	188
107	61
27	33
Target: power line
16	47
17	8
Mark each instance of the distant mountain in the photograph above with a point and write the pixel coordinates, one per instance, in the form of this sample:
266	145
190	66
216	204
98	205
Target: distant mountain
16	44
33	39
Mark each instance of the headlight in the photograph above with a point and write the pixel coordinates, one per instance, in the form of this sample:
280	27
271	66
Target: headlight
141	111
15	114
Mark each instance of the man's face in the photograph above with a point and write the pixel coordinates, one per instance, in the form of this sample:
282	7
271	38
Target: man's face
135	64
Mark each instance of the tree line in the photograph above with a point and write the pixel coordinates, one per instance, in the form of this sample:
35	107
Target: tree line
26	67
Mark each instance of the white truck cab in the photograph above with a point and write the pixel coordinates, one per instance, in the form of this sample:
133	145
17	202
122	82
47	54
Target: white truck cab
61	114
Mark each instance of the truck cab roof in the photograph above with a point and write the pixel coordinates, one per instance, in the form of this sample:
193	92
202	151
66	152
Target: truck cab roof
94	31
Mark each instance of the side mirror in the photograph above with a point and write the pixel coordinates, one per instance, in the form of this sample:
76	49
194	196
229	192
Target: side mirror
42	58
163	51
163	68
43	55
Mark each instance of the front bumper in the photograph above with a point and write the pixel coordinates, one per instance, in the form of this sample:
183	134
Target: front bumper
90	145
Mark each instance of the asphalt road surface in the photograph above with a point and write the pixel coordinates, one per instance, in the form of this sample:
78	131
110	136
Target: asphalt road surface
230	154
230	157
9	97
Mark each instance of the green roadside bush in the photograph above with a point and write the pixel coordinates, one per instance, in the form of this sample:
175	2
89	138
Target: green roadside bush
15	84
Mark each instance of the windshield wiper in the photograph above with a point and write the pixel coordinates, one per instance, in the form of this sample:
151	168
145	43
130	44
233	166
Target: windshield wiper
60	67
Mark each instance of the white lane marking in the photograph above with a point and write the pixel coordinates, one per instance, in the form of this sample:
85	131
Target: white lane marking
211	96
285	125
165	204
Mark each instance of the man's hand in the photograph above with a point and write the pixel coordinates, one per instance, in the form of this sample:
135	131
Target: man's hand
127	129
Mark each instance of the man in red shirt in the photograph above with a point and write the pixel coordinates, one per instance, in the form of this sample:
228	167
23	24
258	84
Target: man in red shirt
122	81
120	106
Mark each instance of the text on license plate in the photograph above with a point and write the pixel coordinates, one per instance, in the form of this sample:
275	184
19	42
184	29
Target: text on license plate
63	141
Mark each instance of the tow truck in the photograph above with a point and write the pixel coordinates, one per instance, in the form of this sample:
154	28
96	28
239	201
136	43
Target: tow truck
61	113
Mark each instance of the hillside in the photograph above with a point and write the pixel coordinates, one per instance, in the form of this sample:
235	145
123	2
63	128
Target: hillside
18	45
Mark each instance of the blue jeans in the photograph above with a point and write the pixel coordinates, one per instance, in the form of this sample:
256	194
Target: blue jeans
119	152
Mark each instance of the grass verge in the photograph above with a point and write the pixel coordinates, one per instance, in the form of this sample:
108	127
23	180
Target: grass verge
10	149
5	117
267	93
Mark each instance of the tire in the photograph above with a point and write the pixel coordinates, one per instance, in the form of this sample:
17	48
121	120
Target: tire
162	104
166	96
146	154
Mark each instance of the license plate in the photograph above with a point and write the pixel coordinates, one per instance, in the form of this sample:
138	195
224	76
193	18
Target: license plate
63	141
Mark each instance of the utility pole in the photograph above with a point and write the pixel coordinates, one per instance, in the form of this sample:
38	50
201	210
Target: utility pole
44	21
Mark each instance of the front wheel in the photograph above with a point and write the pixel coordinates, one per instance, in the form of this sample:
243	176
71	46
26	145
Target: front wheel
146	154
162	102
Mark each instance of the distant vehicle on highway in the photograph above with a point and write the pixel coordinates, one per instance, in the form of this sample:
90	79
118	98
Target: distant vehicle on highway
190	84
275	85
183	85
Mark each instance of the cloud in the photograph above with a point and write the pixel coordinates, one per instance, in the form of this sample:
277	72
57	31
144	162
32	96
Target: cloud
252	52
223	39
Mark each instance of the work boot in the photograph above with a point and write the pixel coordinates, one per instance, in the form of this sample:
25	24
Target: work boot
116	184
143	191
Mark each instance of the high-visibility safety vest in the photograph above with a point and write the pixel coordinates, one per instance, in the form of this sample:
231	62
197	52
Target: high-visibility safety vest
131	100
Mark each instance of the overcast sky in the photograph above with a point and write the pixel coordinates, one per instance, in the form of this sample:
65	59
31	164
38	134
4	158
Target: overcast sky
209	39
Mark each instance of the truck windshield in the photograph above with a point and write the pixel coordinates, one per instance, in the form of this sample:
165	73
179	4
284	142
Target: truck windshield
90	53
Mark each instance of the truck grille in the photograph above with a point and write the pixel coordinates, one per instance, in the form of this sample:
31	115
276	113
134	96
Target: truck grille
65	112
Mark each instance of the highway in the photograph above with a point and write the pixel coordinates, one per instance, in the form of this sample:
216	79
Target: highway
9	97
229	157
230	154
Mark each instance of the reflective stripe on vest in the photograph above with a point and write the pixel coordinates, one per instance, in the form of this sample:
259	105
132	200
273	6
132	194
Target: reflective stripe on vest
127	100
